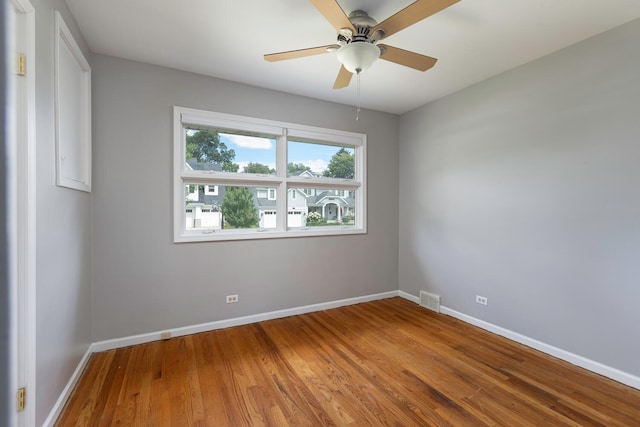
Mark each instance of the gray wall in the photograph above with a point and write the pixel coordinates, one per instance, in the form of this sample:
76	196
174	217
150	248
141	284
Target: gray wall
524	189
143	282
63	227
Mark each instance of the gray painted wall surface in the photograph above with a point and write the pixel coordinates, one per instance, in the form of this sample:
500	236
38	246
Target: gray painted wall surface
63	227
524	189
143	282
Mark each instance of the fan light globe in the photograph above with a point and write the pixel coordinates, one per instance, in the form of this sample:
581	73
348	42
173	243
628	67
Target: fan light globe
358	56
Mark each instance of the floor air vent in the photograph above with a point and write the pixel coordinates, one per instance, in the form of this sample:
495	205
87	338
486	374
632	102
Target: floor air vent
430	301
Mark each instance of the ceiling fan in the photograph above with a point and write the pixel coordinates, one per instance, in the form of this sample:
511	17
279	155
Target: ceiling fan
358	36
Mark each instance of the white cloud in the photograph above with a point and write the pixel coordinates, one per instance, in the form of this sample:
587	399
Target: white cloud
252	142
317	166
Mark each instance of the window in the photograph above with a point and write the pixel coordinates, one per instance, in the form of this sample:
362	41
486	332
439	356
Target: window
211	190
231	175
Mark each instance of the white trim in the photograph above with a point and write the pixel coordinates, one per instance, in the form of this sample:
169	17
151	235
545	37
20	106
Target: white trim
66	392
317	134
409	297
76	151
237	321
261	233
209	192
583	362
182	175
22	191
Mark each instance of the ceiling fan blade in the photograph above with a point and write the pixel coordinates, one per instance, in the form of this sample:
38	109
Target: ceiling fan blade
333	13
406	58
411	14
344	78
300	53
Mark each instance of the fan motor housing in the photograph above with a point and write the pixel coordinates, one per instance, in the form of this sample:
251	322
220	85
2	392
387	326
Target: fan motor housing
362	23
360	18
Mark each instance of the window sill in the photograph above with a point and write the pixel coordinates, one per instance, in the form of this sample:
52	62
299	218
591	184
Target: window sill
227	235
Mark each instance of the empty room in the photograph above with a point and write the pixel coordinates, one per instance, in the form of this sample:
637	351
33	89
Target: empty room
321	212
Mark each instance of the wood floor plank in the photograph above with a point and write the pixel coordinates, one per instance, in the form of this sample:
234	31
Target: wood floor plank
387	362
379	372
312	367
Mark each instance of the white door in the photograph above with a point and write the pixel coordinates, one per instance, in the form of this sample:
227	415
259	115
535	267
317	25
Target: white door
21	196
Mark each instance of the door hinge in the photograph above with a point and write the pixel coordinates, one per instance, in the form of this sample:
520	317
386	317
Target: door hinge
22	64
22	395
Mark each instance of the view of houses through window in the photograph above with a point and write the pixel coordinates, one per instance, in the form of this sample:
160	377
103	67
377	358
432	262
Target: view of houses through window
255	207
233	172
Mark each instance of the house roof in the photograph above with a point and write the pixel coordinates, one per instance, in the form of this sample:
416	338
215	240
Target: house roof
195	165
329	195
316	201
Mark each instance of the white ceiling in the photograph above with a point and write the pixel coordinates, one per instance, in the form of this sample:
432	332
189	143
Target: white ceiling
473	40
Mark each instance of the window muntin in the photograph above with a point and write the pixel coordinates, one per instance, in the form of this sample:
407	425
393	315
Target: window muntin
292	172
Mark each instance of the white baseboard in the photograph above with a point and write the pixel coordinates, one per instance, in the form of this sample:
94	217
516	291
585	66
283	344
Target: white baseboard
238	321
583	362
409	297
66	392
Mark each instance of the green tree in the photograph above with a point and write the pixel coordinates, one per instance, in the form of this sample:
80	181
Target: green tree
258	168
206	147
238	208
297	167
341	165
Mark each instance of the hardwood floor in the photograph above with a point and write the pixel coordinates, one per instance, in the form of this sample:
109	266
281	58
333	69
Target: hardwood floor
387	362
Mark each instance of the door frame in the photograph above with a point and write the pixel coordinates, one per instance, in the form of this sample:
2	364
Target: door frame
22	199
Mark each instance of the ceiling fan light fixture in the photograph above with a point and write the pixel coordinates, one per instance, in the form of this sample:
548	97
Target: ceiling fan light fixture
358	56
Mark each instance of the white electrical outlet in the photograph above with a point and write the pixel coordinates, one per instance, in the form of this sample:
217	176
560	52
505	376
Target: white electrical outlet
482	300
232	298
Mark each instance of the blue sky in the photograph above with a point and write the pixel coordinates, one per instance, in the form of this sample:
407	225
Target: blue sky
263	150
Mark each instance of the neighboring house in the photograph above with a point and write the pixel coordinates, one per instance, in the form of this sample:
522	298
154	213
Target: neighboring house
333	205
203	201
265	200
304	174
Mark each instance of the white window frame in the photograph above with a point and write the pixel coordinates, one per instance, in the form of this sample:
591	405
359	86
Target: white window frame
210	190
182	175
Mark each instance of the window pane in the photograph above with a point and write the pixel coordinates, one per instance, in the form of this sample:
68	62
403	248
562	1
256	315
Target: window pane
202	209
320	160
315	207
232	207
230	151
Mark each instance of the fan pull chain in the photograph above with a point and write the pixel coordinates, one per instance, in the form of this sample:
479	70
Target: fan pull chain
358	95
